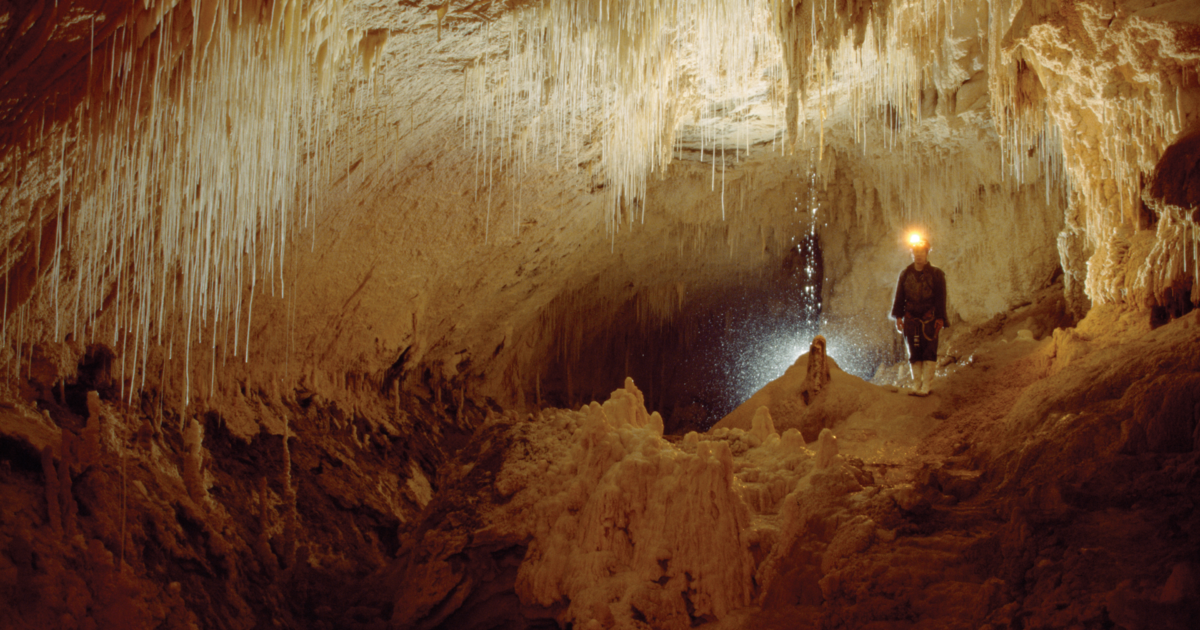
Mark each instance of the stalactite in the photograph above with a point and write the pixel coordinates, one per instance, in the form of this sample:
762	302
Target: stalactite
195	198
571	63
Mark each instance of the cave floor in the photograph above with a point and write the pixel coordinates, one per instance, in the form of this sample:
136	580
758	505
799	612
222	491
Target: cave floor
1021	493
900	433
1043	484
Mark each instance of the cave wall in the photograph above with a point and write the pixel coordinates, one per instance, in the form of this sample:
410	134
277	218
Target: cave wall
139	517
1119	105
1002	237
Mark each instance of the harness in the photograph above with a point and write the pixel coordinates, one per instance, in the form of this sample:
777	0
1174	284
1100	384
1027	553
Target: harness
926	325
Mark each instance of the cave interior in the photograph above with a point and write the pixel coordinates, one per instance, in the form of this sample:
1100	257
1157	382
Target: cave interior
560	314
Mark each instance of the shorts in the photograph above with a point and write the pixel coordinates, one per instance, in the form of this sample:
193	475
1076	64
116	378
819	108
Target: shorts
922	338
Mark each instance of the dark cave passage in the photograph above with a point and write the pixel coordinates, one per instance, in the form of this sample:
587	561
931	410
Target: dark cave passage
714	355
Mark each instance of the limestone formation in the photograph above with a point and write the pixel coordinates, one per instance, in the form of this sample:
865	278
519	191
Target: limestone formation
313	311
817	375
826	449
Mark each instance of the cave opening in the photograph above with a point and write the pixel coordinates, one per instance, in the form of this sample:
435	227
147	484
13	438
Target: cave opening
715	353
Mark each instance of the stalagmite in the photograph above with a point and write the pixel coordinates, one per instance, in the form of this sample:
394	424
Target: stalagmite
827	450
816	377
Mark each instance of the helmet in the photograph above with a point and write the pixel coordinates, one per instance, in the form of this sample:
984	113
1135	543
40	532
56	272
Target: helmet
916	240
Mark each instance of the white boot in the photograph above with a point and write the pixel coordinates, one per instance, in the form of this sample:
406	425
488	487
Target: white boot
927	369
916	369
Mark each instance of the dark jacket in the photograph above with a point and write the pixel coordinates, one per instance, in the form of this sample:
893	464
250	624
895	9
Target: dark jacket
921	294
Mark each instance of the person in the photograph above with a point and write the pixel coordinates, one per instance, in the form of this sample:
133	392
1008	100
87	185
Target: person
920	313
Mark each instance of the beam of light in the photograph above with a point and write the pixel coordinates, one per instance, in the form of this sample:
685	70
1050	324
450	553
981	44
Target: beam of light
759	355
760	352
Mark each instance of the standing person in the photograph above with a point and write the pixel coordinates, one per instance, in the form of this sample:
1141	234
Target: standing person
920	313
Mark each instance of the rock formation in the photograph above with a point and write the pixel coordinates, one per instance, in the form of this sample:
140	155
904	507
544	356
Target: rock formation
313	311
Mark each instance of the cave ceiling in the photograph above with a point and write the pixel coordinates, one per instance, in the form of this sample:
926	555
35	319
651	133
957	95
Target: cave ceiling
323	192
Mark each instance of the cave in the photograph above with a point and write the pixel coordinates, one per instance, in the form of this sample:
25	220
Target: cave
577	314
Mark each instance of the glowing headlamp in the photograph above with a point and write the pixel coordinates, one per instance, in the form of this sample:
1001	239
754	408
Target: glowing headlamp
917	241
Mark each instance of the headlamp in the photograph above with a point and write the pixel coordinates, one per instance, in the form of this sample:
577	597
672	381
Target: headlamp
917	241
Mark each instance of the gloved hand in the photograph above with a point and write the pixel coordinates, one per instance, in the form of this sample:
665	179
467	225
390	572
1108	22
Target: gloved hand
937	326
900	324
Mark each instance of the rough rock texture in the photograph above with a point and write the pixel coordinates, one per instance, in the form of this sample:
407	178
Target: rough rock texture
285	283
795	406
127	524
610	523
1045	483
1010	512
